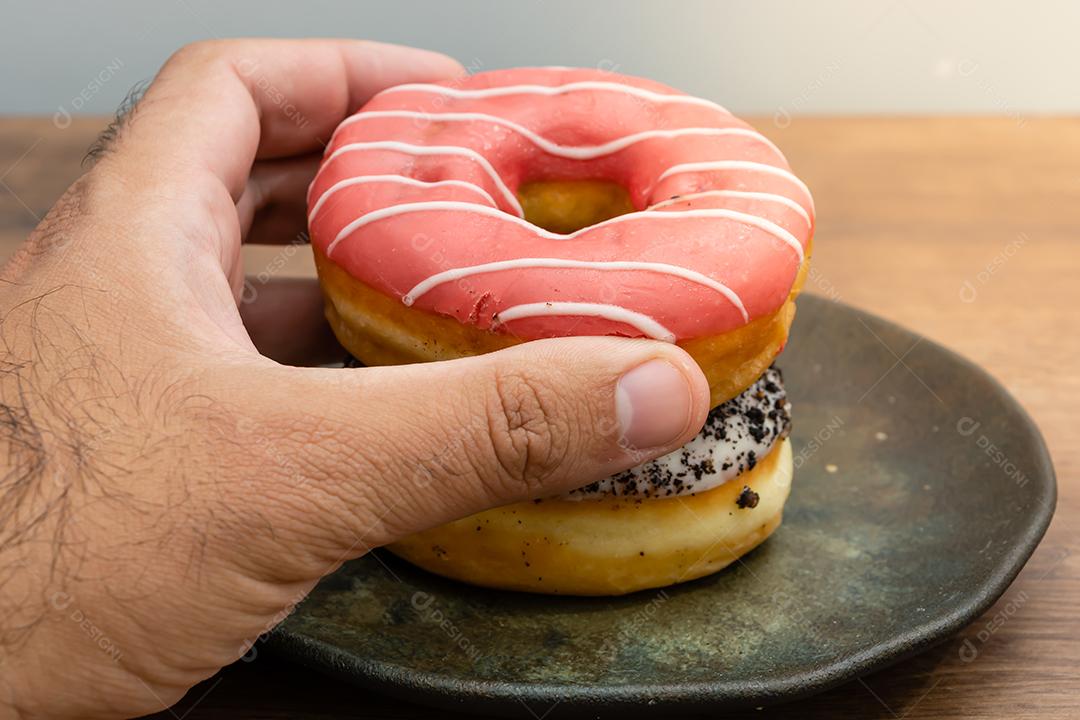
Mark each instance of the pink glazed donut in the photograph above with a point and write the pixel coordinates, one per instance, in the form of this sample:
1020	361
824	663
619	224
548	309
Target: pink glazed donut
417	203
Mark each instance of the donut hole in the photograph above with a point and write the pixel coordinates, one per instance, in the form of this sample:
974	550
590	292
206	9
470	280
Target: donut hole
564	206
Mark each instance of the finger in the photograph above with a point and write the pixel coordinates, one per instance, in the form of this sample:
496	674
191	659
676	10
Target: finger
219	105
273	208
181	160
376	453
284	318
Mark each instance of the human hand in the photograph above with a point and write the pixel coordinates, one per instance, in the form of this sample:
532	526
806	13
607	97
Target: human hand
168	492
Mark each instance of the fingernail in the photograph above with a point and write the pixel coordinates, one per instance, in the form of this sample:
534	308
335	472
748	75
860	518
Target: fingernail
652	404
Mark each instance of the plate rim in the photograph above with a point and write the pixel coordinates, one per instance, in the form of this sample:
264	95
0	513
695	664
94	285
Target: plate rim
493	696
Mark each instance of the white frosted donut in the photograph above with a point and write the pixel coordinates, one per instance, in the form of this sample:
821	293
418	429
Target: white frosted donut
736	435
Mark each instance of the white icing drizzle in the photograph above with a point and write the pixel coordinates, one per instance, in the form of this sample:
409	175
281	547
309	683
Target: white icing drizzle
615	313
410	149
466	94
401	179
434	281
737	165
572	152
458	206
742	194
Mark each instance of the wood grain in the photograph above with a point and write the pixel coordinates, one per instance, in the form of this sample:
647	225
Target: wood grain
966	230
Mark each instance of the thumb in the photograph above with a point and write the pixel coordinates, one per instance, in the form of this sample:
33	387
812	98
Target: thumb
383	452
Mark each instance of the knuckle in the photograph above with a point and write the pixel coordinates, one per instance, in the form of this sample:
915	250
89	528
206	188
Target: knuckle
194	51
529	436
204	51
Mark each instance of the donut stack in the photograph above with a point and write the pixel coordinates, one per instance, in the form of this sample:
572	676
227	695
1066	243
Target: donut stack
459	218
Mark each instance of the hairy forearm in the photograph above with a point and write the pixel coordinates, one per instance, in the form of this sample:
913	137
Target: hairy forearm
80	424
48	443
118	479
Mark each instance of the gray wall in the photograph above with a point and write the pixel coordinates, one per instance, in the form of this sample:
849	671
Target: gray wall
774	57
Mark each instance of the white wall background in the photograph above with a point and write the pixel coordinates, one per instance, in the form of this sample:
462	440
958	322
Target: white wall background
772	56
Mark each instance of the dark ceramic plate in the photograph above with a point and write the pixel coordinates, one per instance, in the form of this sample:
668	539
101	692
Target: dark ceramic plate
921	488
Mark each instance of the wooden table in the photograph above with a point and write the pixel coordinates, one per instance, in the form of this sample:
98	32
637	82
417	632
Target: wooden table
964	229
